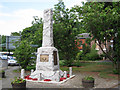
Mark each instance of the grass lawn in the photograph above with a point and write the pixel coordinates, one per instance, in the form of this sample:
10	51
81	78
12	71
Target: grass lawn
17	71
103	68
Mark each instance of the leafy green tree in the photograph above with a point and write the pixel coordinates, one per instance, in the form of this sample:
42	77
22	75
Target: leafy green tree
3	42
66	27
102	21
33	34
15	34
23	53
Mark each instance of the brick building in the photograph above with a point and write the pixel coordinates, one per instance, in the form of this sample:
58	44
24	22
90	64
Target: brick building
81	39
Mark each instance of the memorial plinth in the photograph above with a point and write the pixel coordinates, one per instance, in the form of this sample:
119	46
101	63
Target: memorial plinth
47	63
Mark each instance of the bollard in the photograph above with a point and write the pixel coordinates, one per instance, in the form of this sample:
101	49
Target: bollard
65	74
22	73
32	71
58	76
39	77
70	71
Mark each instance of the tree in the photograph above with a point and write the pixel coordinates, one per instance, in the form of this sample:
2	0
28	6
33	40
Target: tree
29	36
15	34
101	20
66	28
3	42
23	54
33	34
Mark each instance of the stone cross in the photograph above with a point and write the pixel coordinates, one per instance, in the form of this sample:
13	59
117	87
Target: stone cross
48	29
22	73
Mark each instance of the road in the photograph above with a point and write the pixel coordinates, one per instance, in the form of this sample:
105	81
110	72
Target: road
9	77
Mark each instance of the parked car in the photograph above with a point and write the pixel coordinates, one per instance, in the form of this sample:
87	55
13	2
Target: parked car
4	57
12	62
10	57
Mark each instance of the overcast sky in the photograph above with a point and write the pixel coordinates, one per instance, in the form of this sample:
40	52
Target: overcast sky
15	15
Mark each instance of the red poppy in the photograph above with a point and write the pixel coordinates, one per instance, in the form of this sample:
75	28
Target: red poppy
68	75
29	78
26	77
34	79
61	79
47	80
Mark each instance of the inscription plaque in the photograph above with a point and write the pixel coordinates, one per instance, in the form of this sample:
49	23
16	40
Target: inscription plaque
44	58
55	57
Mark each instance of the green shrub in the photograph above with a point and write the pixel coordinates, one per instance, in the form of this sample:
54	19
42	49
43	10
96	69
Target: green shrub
92	55
102	55
68	62
116	71
18	80
77	63
88	78
62	63
2	71
28	68
79	55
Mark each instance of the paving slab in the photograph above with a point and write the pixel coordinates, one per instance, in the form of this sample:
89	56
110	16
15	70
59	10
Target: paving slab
75	82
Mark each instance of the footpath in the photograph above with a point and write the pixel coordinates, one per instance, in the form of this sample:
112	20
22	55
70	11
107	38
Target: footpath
72	83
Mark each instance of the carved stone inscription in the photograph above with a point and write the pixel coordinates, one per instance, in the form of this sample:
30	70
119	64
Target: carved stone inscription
55	57
44	58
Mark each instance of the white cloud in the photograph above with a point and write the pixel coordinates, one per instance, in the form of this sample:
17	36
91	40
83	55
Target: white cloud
16	21
4	14
71	3
27	13
19	20
28	1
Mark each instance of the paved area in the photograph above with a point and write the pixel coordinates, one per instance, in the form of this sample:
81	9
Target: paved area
6	82
76	83
72	83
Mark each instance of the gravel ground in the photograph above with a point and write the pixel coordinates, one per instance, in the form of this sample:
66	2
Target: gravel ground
72	83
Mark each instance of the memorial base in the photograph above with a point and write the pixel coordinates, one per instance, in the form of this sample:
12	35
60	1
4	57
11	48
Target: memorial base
47	65
52	82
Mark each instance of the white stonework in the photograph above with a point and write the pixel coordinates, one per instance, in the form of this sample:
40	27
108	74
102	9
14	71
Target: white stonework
53	82
22	73
32	71
65	74
40	78
70	71
48	29
47	62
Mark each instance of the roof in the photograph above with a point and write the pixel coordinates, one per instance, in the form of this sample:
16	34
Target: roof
83	36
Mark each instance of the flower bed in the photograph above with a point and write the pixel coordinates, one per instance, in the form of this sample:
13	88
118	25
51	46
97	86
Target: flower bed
35	79
47	79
